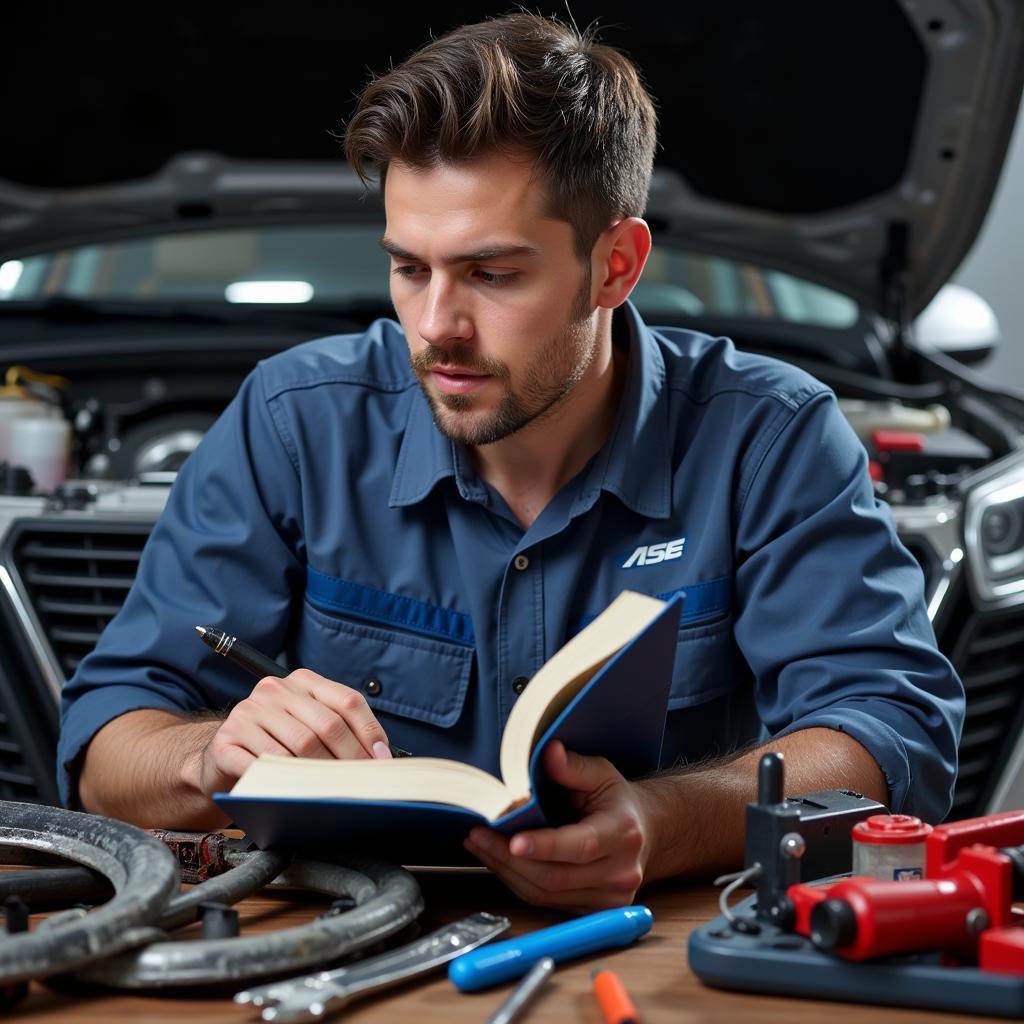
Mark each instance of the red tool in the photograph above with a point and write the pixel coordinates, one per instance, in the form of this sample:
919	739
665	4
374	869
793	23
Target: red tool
201	855
964	906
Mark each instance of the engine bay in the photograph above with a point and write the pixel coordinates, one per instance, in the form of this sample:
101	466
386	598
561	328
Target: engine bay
136	405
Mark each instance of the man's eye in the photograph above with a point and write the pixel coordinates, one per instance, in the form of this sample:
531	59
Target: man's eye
405	270
495	279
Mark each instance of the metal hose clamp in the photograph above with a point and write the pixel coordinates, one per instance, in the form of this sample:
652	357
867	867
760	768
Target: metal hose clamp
387	899
141	869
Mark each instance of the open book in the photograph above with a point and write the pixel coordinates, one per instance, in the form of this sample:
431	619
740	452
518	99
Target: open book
604	693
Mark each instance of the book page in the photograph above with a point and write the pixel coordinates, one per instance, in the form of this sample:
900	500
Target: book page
414	779
563	676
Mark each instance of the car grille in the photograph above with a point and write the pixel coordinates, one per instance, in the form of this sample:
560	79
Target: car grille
28	718
76	578
989	655
17	781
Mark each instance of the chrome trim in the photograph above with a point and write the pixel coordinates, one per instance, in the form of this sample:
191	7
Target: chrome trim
1008	794
939	526
938	596
152	456
46	660
1000	484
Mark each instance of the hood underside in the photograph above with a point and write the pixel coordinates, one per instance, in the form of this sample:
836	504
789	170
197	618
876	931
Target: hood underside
854	144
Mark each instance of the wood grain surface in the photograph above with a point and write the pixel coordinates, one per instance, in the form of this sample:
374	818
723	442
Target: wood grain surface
654	970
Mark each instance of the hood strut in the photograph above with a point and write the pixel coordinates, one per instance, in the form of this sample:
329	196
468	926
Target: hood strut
894	288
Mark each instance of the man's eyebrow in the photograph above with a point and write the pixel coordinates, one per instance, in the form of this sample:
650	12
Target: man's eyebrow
489	252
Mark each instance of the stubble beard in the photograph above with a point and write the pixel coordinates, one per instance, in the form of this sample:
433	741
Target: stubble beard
562	364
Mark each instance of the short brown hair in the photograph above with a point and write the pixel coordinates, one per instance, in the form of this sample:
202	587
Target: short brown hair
518	83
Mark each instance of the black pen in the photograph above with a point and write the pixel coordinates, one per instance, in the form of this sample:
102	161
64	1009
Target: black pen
246	656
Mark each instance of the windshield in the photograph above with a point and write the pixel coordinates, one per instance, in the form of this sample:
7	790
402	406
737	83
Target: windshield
339	265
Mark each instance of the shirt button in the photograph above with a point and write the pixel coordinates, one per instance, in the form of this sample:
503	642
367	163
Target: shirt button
521	562
372	686
519	684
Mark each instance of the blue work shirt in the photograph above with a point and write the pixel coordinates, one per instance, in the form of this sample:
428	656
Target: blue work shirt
326	517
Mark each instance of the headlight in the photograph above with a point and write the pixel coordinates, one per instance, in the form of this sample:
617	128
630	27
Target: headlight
994	533
1001	530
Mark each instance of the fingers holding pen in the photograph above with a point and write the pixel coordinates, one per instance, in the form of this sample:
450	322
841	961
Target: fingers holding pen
309	715
313	717
232	748
301	714
348	728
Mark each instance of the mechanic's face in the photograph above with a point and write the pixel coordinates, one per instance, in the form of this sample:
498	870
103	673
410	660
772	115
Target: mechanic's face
492	296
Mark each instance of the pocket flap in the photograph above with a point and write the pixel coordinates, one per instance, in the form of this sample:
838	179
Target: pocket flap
418	677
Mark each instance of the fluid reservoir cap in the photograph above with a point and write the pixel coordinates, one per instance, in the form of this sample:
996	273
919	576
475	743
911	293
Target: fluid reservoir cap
15	481
890	829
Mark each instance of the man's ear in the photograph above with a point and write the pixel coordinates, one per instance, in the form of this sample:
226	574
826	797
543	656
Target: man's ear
619	257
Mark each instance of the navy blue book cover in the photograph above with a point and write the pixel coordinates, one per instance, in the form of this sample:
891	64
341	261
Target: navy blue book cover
619	714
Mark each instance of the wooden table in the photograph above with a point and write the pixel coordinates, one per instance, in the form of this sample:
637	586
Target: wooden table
654	970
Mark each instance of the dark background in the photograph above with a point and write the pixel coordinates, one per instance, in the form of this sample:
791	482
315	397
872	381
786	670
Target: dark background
104	92
98	93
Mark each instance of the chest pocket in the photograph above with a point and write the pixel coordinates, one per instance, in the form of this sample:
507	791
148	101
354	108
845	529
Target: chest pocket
414	676
707	662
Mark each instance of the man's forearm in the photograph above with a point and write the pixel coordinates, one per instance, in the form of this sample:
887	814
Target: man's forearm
696	816
143	767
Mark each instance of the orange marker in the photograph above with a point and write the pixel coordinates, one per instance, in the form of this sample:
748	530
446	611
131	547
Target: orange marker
613	998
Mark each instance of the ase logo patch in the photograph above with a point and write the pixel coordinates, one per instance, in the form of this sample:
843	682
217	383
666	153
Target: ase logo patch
651	554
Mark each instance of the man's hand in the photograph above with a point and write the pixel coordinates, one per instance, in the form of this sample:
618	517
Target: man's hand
687	821
594	864
303	715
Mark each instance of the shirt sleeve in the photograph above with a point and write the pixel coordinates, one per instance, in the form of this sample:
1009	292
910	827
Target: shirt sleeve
225	552
831	614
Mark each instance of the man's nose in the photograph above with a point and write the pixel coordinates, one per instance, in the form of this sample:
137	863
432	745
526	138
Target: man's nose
444	320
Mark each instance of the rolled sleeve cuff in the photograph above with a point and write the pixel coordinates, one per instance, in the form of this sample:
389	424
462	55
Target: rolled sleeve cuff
86	716
880	740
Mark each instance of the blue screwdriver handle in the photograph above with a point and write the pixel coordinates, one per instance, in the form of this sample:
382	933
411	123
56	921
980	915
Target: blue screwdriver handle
502	961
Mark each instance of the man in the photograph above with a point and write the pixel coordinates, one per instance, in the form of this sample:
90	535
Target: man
420	518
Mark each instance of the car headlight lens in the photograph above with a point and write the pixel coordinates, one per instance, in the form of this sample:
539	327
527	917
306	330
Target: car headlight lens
1002	529
994	533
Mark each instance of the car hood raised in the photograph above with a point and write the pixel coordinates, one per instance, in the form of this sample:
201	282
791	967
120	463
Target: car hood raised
857	145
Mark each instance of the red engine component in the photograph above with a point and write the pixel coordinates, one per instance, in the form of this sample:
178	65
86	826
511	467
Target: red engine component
964	906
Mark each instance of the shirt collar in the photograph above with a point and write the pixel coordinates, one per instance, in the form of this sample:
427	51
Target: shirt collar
426	457
633	464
